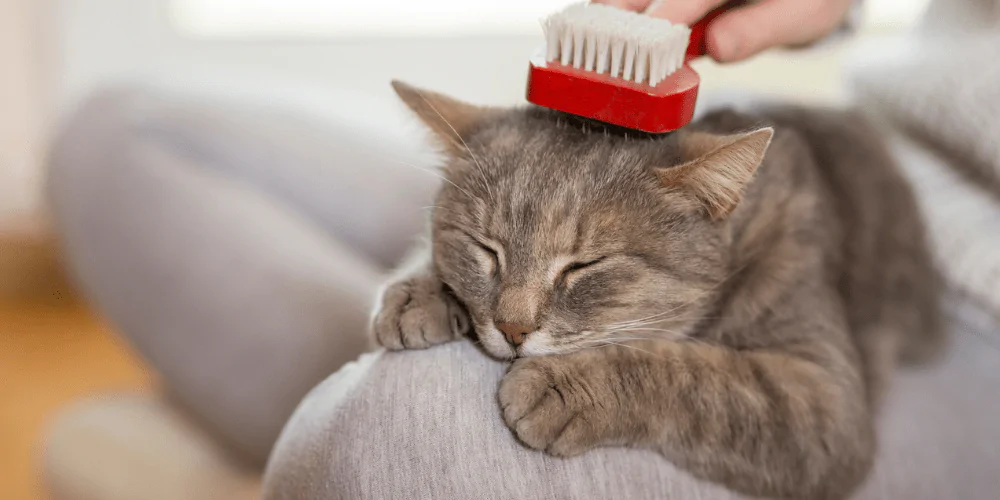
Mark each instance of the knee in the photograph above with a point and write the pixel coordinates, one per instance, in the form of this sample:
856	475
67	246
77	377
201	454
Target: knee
391	425
426	424
90	154
320	452
103	119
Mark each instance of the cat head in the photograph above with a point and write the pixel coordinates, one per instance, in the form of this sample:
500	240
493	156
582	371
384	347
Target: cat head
558	236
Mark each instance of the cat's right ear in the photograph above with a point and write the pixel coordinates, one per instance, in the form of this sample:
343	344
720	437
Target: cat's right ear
718	168
449	119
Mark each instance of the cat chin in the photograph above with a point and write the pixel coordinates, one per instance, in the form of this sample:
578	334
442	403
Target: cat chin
537	344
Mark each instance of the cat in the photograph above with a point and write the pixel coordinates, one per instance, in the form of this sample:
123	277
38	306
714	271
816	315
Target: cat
733	295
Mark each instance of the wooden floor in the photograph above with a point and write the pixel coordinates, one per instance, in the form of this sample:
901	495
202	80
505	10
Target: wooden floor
53	351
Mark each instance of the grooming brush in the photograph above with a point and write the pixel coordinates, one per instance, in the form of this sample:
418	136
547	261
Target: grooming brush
618	67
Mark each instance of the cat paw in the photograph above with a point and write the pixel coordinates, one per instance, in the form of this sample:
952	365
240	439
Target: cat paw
550	405
418	313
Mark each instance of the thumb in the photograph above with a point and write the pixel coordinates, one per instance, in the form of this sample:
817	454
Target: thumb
683	12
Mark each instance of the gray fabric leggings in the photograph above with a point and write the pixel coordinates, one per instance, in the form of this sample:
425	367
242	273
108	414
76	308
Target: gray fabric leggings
425	424
238	250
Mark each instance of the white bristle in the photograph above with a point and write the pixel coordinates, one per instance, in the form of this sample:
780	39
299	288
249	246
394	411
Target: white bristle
590	53
617	56
566	47
642	63
603	52
552	32
578	36
627	71
655	64
622	44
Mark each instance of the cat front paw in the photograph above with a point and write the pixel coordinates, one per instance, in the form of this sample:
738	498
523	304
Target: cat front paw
551	404
418	313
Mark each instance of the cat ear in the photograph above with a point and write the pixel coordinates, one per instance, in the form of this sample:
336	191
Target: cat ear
449	119
719	168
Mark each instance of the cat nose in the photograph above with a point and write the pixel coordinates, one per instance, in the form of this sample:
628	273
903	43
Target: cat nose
514	333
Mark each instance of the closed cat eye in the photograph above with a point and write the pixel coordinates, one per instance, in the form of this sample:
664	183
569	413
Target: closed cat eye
577	266
492	253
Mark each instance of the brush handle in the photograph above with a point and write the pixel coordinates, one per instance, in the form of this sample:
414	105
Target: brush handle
697	44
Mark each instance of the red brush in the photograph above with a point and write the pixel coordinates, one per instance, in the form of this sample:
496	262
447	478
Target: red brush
618	67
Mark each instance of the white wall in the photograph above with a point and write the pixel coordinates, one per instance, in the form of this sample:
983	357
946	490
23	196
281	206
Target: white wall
133	40
22	110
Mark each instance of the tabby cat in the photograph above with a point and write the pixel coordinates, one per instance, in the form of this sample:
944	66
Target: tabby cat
738	312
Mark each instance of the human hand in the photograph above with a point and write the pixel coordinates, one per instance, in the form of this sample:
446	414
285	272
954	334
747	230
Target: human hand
752	28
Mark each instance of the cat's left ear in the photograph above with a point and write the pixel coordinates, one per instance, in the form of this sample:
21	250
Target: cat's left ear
449	119
718	168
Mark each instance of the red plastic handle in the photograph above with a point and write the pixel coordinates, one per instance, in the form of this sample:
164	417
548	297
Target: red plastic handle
666	107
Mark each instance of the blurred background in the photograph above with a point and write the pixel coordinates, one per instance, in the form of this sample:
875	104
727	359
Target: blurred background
316	57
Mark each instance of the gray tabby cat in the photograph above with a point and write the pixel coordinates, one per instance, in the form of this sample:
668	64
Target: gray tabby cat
737	312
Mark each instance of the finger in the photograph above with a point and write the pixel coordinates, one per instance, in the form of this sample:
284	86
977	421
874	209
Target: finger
633	5
684	11
746	31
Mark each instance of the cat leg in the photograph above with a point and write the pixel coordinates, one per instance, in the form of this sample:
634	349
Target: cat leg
789	420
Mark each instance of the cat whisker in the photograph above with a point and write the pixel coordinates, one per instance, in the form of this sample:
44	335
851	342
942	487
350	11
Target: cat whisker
479	165
658	316
626	336
591	343
621	339
435	174
674	332
600	341
648	320
654	318
481	170
645	318
609	342
436	207
592	346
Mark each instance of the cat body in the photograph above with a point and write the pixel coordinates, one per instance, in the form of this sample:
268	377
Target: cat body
738	312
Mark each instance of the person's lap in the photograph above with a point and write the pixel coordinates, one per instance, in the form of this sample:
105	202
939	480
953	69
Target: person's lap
425	424
239	252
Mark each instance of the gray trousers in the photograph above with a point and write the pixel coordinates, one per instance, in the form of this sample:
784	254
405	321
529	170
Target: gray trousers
239	252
